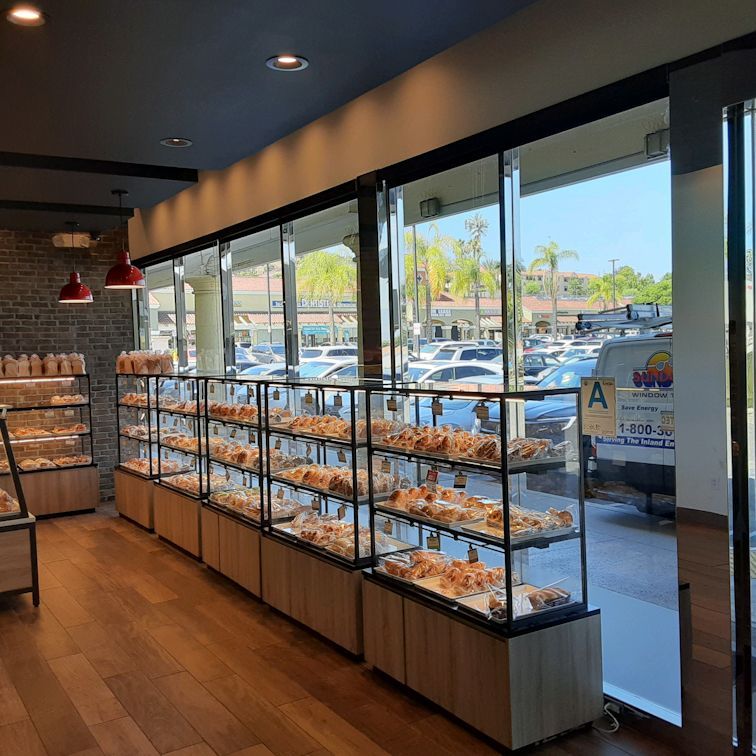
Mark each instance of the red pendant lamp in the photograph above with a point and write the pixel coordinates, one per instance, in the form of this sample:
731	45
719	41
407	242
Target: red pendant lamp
74	292
123	275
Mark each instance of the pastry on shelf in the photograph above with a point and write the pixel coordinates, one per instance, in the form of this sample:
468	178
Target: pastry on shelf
526	449
241	413
463	577
190	482
182	442
142	465
64	430
58	399
36	463
4	466
29	431
338	479
546	598
415	565
8	503
441	440
135	400
71	460
528	521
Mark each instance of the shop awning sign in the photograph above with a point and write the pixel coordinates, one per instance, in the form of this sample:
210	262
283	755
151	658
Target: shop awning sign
598	399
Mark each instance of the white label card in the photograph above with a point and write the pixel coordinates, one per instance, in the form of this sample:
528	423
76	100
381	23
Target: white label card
338	401
431	479
598	398
460	480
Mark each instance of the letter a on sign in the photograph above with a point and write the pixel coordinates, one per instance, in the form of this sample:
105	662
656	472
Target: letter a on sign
598	399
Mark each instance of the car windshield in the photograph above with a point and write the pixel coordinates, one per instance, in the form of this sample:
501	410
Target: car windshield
416	373
346	372
313	369
256	370
445	354
428	348
309	354
568	376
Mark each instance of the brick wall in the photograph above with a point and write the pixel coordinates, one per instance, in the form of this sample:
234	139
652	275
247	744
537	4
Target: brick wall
32	272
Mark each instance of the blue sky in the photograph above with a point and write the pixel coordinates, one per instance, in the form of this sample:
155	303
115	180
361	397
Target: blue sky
625	215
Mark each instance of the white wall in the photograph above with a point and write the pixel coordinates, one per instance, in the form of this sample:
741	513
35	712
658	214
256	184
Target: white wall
547	53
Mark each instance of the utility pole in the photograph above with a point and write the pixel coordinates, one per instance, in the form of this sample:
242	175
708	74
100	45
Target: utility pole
613	261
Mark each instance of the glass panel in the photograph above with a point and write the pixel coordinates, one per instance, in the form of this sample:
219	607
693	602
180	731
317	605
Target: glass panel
595	217
325	249
449	265
158	329
257	307
204	321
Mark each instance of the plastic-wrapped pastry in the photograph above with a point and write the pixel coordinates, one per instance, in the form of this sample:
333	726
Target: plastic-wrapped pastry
124	363
545	598
10	366
464	577
166	363
416	564
64	365
8	503
50	365
78	365
35	365
24	368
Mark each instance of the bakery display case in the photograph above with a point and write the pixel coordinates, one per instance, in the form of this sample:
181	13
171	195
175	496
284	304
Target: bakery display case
18	534
317	530
489	498
50	429
183	476
138	455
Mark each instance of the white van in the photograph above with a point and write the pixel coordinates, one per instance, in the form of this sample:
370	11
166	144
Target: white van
639	464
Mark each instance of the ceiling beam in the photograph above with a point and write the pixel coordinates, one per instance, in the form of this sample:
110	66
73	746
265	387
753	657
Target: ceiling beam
65	207
108	167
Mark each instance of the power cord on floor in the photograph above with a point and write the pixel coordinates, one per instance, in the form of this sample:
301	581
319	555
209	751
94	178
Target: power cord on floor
610	710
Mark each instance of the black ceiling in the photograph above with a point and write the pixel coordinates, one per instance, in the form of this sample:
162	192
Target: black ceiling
105	80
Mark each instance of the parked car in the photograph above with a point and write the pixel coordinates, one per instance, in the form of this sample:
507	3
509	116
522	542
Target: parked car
243	359
578	352
536	363
429	351
532	343
273	369
454	353
324	368
266	353
327	352
442	372
487	342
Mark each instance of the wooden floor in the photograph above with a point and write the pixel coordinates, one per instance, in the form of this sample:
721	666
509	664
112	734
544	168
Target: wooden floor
137	649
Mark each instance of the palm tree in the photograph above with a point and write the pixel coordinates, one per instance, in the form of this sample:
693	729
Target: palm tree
432	260
601	290
328	276
548	257
468	269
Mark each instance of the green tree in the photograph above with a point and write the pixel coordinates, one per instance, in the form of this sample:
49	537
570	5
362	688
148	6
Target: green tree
601	290
577	287
328	276
468	269
532	289
429	279
548	257
656	292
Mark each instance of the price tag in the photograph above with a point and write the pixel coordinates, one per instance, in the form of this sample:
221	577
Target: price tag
460	480
232	389
472	555
278	443
280	493
388	527
228	474
233	432
276	394
436	407
315	503
341	456
251	437
433	542
481	411
215	430
165	453
338	401
342	511
391	405
308	398
308	450
385	466
212	388
431	479
175	422
247	480
668	421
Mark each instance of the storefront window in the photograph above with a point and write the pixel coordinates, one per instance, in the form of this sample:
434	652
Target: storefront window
257	306
449	267
203	312
158	310
324	304
595	236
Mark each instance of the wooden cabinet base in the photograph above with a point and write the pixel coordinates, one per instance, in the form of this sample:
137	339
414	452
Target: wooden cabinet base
18	566
51	492
232	548
177	519
133	498
516	690
314	591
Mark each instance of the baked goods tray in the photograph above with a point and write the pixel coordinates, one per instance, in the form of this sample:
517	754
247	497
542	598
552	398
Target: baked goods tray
433	585
427	520
251	424
482	528
286	430
394	546
297	485
477	603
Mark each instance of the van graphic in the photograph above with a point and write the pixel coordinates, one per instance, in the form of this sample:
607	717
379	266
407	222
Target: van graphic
657	373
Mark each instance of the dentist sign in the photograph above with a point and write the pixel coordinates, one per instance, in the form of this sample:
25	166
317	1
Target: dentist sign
598	399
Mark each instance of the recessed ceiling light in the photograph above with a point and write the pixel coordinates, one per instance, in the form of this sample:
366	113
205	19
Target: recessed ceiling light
25	15
287	62
176	142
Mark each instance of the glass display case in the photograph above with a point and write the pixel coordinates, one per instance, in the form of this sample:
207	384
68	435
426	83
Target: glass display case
49	422
318	488
235	446
181	436
488	494
12	501
137	424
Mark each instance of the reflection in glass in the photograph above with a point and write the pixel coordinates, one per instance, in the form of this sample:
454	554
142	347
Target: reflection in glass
158	328
204	321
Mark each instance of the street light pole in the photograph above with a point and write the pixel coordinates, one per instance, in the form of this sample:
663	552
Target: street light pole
613	261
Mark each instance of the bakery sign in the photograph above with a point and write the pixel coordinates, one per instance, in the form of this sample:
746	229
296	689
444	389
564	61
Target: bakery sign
598	401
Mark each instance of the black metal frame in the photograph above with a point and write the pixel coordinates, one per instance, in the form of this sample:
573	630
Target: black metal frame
148	410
